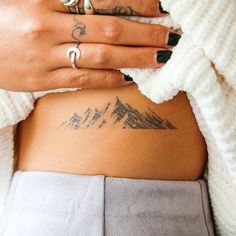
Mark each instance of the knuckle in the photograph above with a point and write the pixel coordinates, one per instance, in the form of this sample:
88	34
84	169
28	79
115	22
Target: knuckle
84	80
38	2
34	28
33	84
33	56
112	29
143	56
109	81
155	34
69	80
102	55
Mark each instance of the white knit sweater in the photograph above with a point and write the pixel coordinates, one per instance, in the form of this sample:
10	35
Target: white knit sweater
204	65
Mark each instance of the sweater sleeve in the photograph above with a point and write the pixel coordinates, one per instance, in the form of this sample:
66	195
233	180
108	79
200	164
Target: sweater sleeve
6	162
14	107
211	26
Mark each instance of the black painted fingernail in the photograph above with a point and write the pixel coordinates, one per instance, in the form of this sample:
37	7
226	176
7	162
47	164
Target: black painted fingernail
163	56
128	78
161	9
173	39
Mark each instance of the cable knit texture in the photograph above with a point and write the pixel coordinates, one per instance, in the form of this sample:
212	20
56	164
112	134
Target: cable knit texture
204	65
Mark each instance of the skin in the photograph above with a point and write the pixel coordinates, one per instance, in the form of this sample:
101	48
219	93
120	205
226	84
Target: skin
41	43
104	43
90	132
110	7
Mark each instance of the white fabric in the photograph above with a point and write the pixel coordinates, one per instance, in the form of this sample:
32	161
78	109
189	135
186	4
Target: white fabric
204	65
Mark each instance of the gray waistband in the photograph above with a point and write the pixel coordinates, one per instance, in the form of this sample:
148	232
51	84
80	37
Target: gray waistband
50	203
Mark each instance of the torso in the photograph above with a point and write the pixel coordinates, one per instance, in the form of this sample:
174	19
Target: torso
127	136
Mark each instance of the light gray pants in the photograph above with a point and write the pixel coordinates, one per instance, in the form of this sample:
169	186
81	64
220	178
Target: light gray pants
57	204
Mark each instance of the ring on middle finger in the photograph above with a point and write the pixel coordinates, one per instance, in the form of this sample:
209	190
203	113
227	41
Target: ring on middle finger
71	5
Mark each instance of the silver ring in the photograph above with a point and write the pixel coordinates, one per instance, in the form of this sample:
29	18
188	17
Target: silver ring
70	4
88	7
73	53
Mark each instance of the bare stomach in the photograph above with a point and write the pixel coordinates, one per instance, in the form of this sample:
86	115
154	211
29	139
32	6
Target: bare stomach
113	132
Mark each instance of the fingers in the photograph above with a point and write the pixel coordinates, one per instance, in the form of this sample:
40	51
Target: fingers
85	78
69	78
113	30
102	56
56	5
127	7
117	7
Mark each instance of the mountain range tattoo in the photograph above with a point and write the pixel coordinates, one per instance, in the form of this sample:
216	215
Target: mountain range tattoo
118	115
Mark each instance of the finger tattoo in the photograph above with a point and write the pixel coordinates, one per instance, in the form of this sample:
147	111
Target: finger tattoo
117	10
78	30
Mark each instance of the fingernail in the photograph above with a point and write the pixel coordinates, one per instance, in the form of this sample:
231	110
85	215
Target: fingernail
161	9
128	78
163	56
173	39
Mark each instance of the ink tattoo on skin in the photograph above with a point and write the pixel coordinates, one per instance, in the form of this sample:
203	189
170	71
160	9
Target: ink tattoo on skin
118	115
79	29
116	10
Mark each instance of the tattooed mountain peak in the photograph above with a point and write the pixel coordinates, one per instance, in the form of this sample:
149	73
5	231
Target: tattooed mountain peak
117	115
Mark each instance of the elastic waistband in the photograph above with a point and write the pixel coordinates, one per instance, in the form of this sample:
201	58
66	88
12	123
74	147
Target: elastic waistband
61	175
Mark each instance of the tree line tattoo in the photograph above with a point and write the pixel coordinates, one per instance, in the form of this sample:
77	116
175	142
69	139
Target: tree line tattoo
118	115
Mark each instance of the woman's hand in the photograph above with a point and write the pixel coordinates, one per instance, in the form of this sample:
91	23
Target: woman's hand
36	34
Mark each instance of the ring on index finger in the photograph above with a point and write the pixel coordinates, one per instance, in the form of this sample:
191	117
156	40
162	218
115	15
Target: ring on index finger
71	4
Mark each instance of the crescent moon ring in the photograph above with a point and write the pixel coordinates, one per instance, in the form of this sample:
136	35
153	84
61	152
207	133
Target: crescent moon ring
74	54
